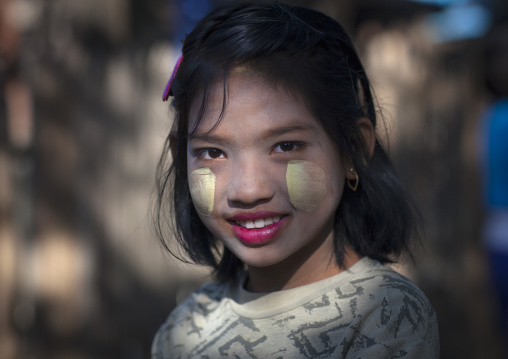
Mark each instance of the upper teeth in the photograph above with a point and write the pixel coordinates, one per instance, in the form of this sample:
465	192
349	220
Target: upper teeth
258	223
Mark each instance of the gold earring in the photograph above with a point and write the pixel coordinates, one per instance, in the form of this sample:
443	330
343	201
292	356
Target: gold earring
351	184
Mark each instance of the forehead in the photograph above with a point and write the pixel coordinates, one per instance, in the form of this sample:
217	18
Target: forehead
243	93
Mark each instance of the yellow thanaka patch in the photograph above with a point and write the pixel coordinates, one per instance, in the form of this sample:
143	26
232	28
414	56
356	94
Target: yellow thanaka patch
306	184
202	189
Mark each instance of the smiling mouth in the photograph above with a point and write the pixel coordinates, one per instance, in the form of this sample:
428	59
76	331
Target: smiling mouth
258	223
258	231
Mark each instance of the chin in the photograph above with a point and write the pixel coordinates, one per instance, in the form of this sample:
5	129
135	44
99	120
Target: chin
256	257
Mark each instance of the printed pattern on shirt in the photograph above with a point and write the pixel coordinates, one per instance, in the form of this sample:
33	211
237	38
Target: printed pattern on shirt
379	314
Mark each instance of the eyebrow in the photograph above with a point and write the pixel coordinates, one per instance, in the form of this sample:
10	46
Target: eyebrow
279	131
271	133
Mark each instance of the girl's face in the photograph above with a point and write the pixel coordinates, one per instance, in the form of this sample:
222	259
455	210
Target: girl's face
267	179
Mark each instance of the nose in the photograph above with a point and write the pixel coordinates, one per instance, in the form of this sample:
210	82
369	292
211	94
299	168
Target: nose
252	182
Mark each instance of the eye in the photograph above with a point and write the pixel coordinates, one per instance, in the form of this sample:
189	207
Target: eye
285	147
211	154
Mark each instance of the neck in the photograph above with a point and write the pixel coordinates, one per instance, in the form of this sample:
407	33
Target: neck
321	264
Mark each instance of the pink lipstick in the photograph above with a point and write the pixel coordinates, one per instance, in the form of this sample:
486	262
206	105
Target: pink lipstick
258	227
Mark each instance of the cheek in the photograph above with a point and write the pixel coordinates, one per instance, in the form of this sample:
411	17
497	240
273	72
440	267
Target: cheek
306	185
202	190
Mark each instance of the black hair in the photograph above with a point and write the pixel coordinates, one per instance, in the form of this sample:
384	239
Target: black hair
311	55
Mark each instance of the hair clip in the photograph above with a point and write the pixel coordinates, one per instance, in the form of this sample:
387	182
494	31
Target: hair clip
167	90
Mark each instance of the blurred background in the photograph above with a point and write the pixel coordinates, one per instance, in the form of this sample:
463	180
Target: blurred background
82	126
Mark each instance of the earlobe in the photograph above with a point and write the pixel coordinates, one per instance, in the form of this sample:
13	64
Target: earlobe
369	136
349	169
369	139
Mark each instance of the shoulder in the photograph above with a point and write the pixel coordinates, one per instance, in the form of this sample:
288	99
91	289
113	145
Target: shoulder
391	313
186	319
381	283
369	279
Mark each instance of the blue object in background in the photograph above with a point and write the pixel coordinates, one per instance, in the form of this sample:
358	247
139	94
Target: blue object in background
495	228
497	155
190	13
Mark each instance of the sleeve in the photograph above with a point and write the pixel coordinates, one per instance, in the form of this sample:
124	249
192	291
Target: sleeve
161	346
400	324
403	347
157	346
173	339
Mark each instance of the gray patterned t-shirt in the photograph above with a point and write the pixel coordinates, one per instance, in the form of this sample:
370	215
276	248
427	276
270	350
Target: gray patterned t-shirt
367	311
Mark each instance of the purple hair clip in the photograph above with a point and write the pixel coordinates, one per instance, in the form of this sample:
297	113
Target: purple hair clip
167	90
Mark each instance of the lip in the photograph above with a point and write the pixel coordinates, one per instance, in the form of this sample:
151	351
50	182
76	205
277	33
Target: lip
257	236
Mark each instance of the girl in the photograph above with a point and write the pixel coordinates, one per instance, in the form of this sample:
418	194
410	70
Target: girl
278	183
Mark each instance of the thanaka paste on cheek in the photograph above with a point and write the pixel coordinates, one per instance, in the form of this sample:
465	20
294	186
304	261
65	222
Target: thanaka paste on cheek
202	189
306	184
